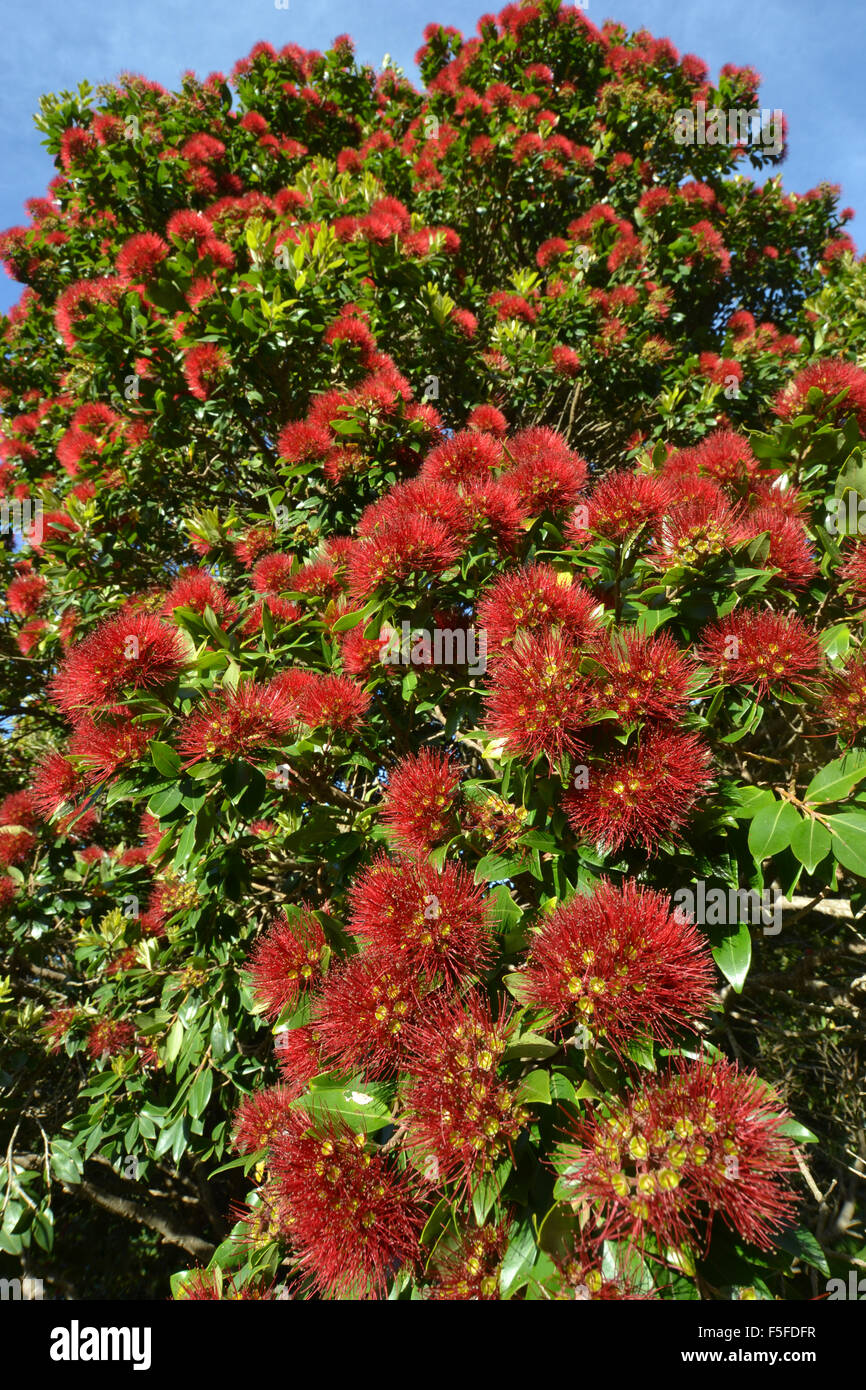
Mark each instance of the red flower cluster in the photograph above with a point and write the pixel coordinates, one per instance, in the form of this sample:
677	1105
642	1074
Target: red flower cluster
461	1117
418	804
706	1139
287	959
538	701
133	651
618	961
770	651
432	923
643	677
646	793
348	1211
233	723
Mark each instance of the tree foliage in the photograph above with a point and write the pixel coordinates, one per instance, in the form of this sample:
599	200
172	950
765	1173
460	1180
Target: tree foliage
437	628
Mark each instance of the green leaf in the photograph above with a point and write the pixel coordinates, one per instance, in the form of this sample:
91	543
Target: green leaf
186	842
641	1050
848	832
562	1087
810	843
505	909
750	800
200	1093
531	1045
221	1038
835	781
360	1108
164	801
66	1161
534	1088
164	759
804	1245
171	1047
348	621
517	1261
772	828
494	866
733	955
487	1191
794	1130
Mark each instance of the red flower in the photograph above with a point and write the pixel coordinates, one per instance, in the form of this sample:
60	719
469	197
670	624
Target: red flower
471	1271
78	301
133	650
350	1217
232	723
565	361
709	246
494	507
253	543
620	962
107	747
111	1036
28	635
57	1025
512	306
56	782
703	1140
547	475
329	701
409	544
16	843
287	960
646	793
75	142
139	257
790	551
299	1056
550	250
25	594
696	529
430	922
281	609
643	677
465	322
844	700
261	1117
461	1117
830	377
187	225
725	456
488	420
742	324
198	590
19	809
204	367
418	804
300	442
468	454
362	1013
533	600
621	505
762	649
538	701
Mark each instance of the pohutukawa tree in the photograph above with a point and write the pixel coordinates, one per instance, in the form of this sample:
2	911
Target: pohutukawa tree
433	691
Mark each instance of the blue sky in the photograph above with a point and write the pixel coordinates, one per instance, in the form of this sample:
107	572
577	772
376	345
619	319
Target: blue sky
810	55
